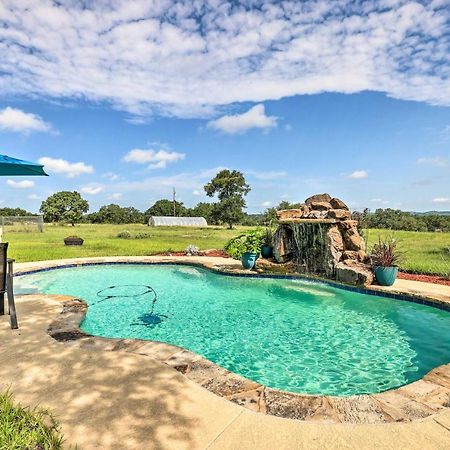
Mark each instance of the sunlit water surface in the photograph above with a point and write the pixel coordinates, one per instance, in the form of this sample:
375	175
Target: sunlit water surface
294	335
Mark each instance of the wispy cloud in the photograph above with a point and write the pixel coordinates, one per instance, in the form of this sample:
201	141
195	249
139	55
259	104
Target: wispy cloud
359	175
433	161
240	123
441	200
24	184
158	159
16	120
63	167
115	196
187	58
91	189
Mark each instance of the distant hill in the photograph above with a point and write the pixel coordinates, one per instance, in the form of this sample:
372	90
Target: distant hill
427	213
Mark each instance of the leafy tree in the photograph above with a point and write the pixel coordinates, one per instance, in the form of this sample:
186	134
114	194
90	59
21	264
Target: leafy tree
64	206
115	214
15	212
164	207
230	188
205	210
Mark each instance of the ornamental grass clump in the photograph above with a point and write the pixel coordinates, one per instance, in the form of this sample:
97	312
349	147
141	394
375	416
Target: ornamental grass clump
385	254
25	428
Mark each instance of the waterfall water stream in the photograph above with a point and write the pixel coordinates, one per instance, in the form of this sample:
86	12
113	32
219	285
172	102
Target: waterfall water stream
310	247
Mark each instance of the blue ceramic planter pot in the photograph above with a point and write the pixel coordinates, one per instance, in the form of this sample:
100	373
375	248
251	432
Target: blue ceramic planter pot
249	260
266	251
386	276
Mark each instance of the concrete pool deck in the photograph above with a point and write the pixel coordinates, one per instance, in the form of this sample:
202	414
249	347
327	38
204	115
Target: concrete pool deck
114	399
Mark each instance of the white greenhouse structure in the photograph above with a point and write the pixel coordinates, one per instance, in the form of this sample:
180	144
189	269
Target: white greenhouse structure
169	221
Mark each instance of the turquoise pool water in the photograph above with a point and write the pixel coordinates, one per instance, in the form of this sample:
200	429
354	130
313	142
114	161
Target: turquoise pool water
294	335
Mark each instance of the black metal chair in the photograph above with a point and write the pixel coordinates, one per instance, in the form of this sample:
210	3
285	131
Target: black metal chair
6	285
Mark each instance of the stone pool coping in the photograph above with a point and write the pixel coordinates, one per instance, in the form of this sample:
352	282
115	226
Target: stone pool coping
414	401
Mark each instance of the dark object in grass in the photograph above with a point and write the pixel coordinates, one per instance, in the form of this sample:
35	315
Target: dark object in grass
73	240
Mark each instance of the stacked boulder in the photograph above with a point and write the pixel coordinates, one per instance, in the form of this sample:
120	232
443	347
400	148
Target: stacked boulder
341	255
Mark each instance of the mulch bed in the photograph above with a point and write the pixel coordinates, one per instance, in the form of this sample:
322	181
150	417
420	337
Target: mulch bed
426	278
220	253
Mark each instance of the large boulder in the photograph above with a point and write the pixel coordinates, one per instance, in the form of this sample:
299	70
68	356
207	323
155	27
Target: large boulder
318	198
320	206
339	214
337	203
281	244
353	240
285	214
335	247
355	273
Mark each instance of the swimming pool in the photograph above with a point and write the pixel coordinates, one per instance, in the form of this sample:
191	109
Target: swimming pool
293	335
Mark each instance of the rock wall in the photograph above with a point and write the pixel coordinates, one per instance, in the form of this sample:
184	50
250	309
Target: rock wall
321	238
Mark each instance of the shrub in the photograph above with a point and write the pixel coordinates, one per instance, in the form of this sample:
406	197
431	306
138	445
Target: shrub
142	236
384	253
124	234
251	241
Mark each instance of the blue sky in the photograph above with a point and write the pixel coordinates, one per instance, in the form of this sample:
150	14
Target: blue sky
124	101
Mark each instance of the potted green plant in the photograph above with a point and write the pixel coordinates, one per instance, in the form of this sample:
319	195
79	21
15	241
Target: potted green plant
245	247
267	244
251	247
384	258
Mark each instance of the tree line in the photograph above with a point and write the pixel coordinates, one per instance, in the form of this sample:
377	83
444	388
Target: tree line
229	187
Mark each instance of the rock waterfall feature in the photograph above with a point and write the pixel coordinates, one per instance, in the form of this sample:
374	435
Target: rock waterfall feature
321	238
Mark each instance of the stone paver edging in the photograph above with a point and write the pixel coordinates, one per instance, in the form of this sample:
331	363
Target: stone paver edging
417	400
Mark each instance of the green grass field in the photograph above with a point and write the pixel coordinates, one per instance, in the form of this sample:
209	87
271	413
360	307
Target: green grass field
422	252
102	240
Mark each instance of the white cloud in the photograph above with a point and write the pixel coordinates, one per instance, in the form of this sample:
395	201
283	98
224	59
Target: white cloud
24	184
158	158
187	58
91	189
240	123
16	120
434	161
196	192
266	204
63	167
441	200
115	196
359	175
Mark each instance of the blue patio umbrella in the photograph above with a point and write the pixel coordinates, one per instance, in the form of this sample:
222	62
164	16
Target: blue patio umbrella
13	167
17	167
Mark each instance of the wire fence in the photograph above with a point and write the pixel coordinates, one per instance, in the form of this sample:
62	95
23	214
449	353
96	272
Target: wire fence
25	224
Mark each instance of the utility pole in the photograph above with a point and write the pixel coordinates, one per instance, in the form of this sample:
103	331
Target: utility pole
174	203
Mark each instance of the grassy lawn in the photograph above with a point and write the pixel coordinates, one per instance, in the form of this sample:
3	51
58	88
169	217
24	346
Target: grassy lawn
24	428
102	240
423	252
